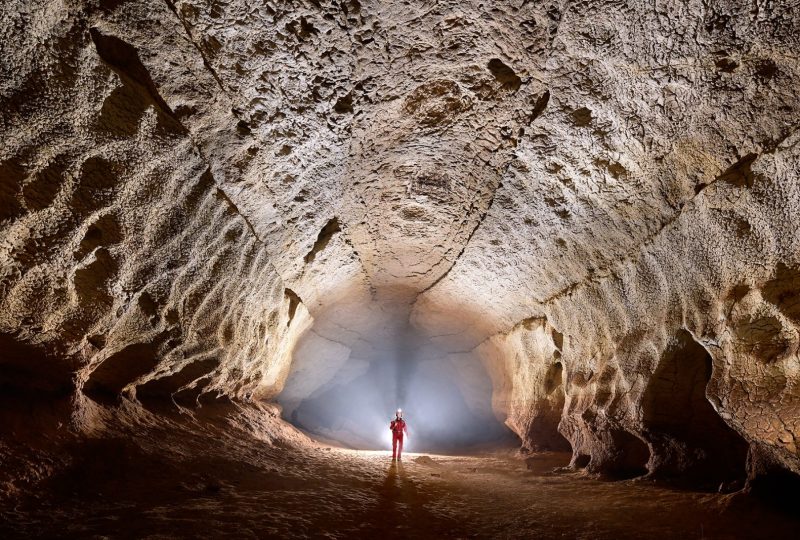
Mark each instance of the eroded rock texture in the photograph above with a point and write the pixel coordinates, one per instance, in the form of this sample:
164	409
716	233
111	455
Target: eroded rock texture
599	198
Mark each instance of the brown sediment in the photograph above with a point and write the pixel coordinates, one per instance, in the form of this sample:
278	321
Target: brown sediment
589	209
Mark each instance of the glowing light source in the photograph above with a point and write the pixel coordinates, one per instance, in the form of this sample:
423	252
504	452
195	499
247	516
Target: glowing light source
355	406
387	437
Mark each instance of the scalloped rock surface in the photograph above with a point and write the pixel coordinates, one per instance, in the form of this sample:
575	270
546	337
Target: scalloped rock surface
601	199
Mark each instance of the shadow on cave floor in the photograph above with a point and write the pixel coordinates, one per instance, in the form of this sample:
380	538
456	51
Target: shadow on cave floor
214	475
213	485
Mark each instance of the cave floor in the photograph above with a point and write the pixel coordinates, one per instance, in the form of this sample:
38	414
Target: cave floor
122	490
240	472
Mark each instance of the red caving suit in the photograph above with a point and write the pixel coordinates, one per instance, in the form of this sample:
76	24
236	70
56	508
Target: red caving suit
398	426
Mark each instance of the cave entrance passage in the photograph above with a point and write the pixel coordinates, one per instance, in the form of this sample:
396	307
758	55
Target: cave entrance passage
446	398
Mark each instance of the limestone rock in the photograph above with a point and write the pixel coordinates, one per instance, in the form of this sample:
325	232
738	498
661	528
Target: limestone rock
598	199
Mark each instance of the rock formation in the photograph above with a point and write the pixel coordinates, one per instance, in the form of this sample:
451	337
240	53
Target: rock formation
599	199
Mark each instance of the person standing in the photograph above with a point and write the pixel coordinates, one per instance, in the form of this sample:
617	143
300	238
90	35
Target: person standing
399	428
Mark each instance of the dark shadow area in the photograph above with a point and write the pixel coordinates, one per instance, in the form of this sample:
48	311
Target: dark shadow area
545	463
631	456
581	461
30	368
778	489
543	434
691	443
403	510
770	482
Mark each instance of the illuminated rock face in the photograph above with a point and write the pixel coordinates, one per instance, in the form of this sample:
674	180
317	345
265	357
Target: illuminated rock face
602	199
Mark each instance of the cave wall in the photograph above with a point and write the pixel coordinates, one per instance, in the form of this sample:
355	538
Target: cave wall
675	126
187	187
125	264
528	379
688	437
739	237
714	292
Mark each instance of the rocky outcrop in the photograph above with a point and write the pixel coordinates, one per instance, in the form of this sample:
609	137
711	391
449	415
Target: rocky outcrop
198	200
528	375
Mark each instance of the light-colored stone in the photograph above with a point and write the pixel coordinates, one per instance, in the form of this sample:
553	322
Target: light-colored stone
193	193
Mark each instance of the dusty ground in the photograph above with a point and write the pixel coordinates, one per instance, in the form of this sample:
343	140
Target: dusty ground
211	480
214	197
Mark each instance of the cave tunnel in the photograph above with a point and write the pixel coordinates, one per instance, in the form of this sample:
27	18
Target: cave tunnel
446	398
237	236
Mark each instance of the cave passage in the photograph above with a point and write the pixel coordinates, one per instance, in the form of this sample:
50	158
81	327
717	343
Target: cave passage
447	400
562	236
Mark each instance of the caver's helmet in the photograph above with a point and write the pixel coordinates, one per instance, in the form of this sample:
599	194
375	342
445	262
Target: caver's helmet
399	413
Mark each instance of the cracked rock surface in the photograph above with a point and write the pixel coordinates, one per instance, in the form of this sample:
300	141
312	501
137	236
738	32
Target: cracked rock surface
201	199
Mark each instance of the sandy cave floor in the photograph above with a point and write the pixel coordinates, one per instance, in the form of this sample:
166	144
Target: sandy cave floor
119	490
